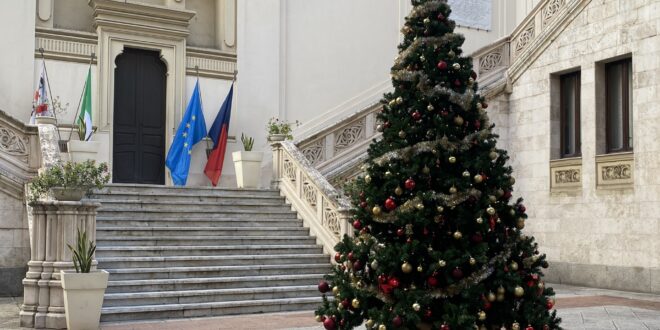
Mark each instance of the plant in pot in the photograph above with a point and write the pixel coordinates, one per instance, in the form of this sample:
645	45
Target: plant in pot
280	130
247	164
84	288
69	181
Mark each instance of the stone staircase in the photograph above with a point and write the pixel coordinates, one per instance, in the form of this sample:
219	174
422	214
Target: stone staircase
192	252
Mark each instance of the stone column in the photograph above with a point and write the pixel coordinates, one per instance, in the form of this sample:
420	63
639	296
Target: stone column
55	225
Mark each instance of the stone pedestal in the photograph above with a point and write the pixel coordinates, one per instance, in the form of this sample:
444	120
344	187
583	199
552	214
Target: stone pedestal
55	225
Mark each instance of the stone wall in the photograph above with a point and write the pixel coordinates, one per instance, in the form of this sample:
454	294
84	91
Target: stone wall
14	244
593	235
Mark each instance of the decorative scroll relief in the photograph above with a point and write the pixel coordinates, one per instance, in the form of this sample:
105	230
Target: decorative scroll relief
48	140
12	143
490	61
615	170
471	13
331	222
315	152
309	193
350	135
524	38
550	10
566	174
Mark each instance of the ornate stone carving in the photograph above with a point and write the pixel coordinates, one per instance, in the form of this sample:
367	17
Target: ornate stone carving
349	135
550	10
309	193
617	172
567	176
331	222
13	143
315	152
524	38
490	61
289	170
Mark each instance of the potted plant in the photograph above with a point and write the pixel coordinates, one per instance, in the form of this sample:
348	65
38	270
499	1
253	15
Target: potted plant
279	130
247	164
84	288
69	181
84	148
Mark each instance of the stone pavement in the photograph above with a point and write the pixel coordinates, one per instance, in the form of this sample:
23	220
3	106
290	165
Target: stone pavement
580	308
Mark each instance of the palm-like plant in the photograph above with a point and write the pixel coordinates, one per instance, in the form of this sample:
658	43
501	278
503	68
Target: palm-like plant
83	253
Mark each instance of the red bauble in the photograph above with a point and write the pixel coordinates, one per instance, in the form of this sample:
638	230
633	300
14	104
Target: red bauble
390	204
477	124
363	205
473	75
426	231
362	194
507	194
357	265
345	303
432	281
397	321
442	65
357	224
484	105
529	327
338	257
428	313
400	232
351	257
550	304
444	113
444	327
324	287
522	208
530	283
329	324
394	282
477	238
410	184
342	323
457	82
382	278
487	305
387	124
416	115
457	273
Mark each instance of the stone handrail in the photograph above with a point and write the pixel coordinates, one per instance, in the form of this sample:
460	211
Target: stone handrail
19	154
341	148
323	209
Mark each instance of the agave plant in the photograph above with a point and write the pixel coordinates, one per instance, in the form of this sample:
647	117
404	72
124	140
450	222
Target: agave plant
83	253
248	142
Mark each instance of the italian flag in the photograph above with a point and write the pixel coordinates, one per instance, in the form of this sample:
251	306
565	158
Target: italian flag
85	119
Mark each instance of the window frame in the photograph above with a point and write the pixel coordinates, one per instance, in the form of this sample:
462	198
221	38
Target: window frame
626	78
563	112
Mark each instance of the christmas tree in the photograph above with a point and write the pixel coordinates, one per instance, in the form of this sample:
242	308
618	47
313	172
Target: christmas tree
438	242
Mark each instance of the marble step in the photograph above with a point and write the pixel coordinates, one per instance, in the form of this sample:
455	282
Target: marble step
173	311
189	198
170	251
187	208
180	284
110	231
203	296
237	213
199	261
202	240
207	216
137	222
155	190
123	274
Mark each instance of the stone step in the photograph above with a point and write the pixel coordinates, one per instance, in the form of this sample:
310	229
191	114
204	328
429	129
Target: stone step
189	198
203	296
124	274
199	207
180	284
111	231
202	240
199	261
147	190
169	251
196	213
148	312
200	223
207	216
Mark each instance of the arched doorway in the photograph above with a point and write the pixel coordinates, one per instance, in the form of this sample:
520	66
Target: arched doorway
138	139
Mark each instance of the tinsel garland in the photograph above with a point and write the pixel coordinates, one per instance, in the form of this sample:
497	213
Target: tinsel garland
425	9
449	200
425	41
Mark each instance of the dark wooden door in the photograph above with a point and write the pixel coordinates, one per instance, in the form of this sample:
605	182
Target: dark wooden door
139	118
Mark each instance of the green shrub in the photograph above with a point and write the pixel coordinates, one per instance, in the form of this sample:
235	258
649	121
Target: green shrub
70	175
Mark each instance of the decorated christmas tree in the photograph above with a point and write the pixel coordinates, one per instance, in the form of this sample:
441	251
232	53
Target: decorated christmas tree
438	241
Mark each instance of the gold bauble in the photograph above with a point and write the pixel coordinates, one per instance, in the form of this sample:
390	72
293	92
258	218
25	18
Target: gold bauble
426	170
430	107
340	306
335	290
451	54
492	198
402	134
513	266
367	178
481	315
442	263
520	223
500	297
318	318
493	155
490	296
490	210
501	290
392	103
376	210
500	192
480	220
398	191
456	66
472	261
369	324
466	174
541	285
406	267
419	206
416	307
458	235
439	209
515	326
518	291
478	178
382	327
452	159
427	21
420	269
388	174
458	120
422	58
355	303
452	190
374	264
399	100
512	211
512	180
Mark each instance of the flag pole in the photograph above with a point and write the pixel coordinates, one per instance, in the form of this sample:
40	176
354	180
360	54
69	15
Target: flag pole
50	98
82	93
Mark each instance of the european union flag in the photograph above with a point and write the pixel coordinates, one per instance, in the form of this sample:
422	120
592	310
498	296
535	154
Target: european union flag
191	130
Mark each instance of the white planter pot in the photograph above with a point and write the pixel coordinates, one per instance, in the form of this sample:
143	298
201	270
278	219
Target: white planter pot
277	137
248	168
69	194
45	120
83	298
80	151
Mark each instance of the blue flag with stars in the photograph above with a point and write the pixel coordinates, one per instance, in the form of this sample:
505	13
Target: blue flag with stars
191	130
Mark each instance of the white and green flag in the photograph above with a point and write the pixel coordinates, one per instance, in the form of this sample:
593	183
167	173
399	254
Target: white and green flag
85	119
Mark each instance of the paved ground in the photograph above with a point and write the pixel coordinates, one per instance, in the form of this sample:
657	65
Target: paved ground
580	308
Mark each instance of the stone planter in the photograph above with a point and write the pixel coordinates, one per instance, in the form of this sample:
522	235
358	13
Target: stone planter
80	151
68	194
83	298
45	120
277	137
248	168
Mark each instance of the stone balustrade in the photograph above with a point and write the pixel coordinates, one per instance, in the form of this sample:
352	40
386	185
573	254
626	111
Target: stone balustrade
320	205
55	226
